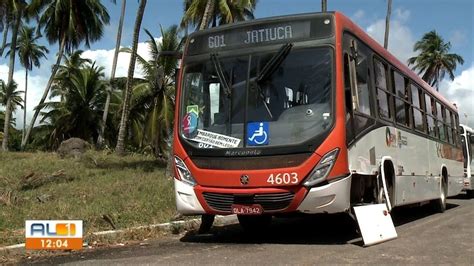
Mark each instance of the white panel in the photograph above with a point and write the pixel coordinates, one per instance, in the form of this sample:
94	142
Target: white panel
375	224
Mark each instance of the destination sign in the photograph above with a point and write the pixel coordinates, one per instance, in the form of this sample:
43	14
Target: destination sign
261	34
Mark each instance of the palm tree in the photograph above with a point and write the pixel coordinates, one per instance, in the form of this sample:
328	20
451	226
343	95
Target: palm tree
16	9
202	13
78	115
387	23
100	140
434	59
5	23
29	53
120	148
153	99
73	64
69	23
11	99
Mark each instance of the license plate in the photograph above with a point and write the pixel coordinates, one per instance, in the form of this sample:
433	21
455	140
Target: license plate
254	209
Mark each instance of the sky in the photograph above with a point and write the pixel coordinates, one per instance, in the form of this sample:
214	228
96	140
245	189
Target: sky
452	19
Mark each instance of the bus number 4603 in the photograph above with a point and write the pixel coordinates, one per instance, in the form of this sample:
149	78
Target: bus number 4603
283	178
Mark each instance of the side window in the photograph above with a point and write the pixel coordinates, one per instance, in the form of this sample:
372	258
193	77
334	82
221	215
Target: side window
383	96
362	71
429	116
400	99
439	122
418	113
357	86
449	126
456	129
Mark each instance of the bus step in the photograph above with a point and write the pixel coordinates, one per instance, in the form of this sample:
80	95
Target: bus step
375	223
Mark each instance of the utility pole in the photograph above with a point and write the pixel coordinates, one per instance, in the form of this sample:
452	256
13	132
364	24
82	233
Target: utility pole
387	24
324	5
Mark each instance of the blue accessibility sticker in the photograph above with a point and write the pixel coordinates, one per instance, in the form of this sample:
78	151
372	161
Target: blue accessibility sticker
258	133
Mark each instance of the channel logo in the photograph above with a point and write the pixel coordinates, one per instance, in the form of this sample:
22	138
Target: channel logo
53	234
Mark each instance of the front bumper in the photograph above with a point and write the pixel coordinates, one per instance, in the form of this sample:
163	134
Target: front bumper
186	201
331	198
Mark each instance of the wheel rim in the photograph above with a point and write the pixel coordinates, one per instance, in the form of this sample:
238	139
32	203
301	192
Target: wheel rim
443	194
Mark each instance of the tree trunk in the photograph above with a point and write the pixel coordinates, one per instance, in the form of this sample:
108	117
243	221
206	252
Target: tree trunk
101	139
45	93
207	14
387	24
120	148
5	36
24	104
11	68
6	125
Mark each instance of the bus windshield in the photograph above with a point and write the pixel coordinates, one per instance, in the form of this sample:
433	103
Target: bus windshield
262	99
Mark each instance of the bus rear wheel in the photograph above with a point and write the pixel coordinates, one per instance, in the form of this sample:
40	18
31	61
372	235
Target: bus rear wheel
440	204
254	223
470	193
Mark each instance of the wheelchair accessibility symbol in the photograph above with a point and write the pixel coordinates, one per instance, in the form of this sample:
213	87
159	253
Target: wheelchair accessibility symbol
257	133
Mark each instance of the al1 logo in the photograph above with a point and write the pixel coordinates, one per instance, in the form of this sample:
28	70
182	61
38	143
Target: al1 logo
53	234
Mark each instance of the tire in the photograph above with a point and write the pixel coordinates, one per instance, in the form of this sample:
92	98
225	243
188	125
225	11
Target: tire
254	223
439	204
470	193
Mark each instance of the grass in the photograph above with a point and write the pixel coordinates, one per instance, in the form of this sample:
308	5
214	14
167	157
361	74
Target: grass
128	191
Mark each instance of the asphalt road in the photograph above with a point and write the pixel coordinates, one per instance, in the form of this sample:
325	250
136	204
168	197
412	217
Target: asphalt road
424	237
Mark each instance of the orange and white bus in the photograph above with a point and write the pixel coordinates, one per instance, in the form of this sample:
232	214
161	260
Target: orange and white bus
306	113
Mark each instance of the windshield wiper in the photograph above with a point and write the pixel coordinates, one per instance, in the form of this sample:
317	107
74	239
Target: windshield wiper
274	63
268	71
220	74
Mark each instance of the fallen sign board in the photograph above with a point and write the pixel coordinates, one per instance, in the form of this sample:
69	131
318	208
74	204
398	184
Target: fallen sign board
375	224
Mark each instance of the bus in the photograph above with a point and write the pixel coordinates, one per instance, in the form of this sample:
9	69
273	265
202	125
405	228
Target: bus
467	140
306	114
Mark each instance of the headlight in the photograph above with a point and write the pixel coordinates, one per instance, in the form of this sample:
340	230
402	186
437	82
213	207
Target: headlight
183	171
322	169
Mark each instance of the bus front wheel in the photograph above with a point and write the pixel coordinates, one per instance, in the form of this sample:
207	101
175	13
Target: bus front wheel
254	223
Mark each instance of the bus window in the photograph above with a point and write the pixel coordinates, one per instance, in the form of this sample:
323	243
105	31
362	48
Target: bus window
400	96
449	124
417	113
456	130
362	88
348	99
429	116
383	97
439	122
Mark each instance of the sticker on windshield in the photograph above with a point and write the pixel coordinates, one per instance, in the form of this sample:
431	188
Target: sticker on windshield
215	140
257	133
192	109
190	123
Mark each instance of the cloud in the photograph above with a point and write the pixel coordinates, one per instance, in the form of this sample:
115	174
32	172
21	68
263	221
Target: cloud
461	92
400	40
358	15
36	85
37	82
458	38
105	58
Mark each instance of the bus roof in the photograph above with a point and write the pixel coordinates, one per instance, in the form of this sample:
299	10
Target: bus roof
466	128
355	29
